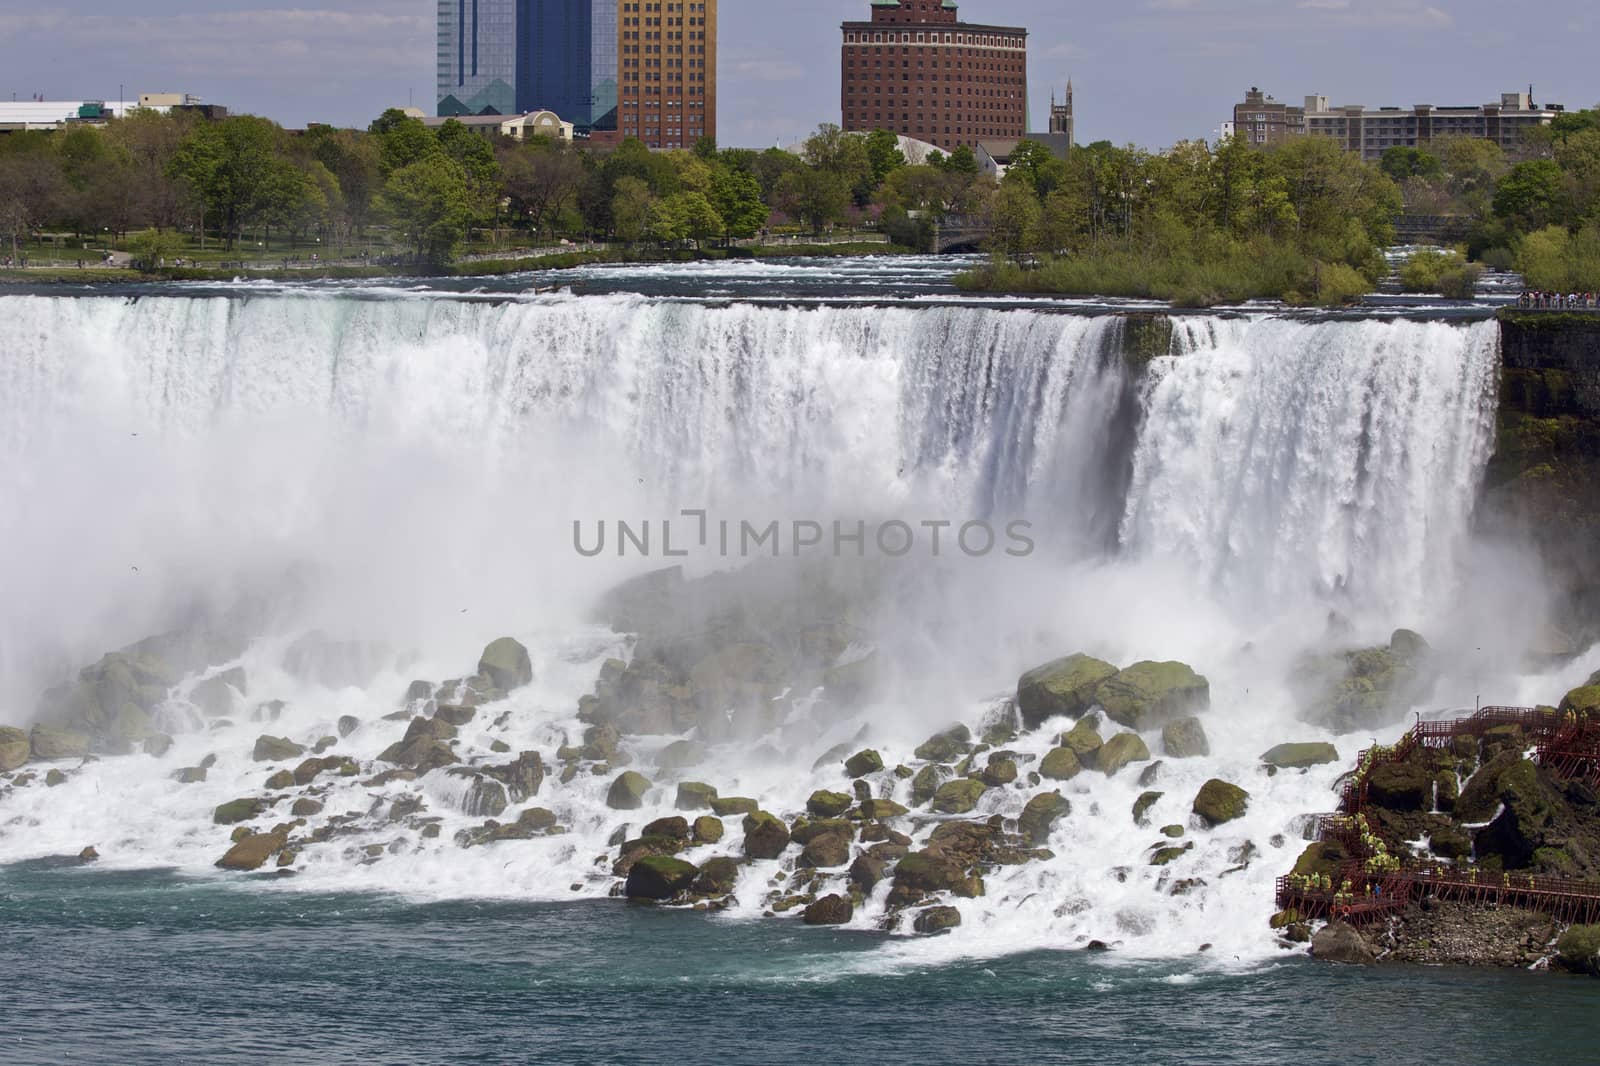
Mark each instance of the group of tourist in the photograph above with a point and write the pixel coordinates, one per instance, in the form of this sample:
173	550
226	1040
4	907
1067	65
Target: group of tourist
1555	301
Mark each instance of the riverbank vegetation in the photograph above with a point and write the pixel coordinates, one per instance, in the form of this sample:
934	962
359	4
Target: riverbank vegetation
1197	225
245	195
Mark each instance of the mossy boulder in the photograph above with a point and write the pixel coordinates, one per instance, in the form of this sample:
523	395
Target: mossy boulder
1063	687
1142	805
675	826
825	852
958	796
506	664
627	792
1401	786
1185	738
220	696
1301	756
680	755
306	807
240	810
882	808
733	806
923	873
694	796
765	835
933	920
829	910
863	763
1365	688
1150	694
16	748
717	877
1220	802
947	746
659	877
281	780
1000	771
1060	764
707	829
1085	741
825	804
252	851
927	782
1040	816
805	830
276	749
48	742
1584	701
1121	750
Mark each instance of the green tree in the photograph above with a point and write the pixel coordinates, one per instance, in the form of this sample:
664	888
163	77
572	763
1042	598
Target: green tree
1016	219
1530	194
1401	162
736	197
816	196
631	209
32	189
883	155
431	201
402	140
234	167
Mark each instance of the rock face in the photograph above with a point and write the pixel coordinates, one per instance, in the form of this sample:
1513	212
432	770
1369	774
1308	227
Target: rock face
1064	687
51	743
1120	751
15	748
1220	802
1084	740
923	873
1041	814
825	804
829	910
765	836
659	877
627	791
1185	738
948	746
694	796
506	664
1301	756
1340	942
239	810
1150	694
1401	786
1367	688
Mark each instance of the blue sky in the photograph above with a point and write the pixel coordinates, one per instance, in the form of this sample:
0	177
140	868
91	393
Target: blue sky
1148	72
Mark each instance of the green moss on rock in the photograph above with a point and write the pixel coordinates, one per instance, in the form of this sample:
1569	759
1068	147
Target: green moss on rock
959	796
1150	694
1121	750
1064	687
1220	802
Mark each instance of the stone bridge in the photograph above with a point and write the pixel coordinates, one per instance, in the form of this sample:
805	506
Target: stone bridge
960	233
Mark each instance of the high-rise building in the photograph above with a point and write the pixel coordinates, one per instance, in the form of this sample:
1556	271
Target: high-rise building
477	59
1369	131
505	57
916	70
667	64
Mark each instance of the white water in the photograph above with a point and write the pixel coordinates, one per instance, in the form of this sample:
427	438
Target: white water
417	463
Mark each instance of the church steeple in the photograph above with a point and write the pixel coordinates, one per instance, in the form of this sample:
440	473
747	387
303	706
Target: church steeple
1061	117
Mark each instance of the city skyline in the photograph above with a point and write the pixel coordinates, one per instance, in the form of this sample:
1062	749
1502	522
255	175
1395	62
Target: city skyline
1152	74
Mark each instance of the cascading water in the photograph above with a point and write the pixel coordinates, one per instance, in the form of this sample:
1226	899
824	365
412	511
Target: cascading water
419	461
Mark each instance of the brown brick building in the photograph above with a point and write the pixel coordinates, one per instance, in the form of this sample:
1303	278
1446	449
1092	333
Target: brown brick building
667	71
917	71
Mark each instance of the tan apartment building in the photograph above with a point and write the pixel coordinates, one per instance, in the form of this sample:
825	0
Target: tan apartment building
667	71
915	69
1262	120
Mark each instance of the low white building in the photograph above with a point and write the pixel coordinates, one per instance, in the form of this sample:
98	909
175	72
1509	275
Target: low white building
517	127
53	114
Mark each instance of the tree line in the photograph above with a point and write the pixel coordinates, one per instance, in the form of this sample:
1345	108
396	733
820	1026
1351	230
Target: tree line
432	189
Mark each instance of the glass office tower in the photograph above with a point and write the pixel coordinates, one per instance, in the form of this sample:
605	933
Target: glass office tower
567	60
477	57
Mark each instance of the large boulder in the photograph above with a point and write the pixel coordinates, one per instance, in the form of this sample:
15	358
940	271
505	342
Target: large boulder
1401	786
522	777
1184	738
732	806
1301	756
15	748
1040	815
927	782
947	746
829	910
49	742
659	877
1150	694
765	836
825	852
627	791
863	763
1583	701
276	749
958	796
252	851
923	873
506	664
707	829
1065	687
936	920
1366	688
1120	751
240	810
1085	742
825	804
1220	802
1060	764
1341	942
694	796
717	877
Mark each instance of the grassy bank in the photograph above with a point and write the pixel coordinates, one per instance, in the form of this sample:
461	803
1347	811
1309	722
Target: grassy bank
476	268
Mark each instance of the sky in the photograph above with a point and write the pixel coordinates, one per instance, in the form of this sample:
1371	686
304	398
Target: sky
1146	72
